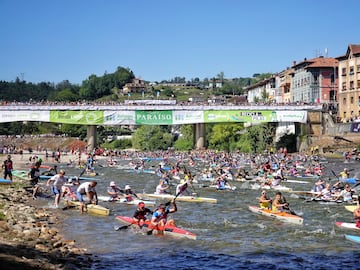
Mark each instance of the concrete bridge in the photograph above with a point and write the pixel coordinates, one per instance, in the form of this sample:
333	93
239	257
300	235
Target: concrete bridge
309	118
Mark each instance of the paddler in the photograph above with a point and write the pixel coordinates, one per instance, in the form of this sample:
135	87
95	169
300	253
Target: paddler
264	201
159	217
129	193
114	192
357	217
278	204
140	213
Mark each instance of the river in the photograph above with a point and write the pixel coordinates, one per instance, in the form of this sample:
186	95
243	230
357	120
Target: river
229	236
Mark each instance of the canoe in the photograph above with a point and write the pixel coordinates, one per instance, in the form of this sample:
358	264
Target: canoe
283	216
277	187
168	230
90	208
353	238
295	181
351	208
179	198
347	225
217	188
5	181
45	177
21	174
123	201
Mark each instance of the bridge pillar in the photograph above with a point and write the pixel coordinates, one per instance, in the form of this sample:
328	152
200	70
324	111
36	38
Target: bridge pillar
199	134
91	138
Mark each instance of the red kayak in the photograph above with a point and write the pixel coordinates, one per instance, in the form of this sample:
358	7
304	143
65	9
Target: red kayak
169	230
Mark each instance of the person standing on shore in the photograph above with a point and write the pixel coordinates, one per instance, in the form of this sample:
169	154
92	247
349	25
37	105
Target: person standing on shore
88	189
34	175
8	167
58	181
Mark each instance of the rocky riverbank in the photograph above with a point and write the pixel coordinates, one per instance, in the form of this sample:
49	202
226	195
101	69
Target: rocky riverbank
29	234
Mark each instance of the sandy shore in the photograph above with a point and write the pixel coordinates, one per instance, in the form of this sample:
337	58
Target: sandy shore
29	237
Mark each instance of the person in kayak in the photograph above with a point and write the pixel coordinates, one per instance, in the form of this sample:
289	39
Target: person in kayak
264	201
160	216
357	217
129	194
278	204
140	214
114	192
161	188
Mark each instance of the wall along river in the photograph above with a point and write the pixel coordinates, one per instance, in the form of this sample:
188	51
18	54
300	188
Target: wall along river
229	236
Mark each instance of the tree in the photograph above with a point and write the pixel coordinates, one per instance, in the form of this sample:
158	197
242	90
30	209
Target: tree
224	135
150	138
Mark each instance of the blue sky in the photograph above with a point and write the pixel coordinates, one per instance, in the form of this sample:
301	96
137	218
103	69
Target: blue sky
56	40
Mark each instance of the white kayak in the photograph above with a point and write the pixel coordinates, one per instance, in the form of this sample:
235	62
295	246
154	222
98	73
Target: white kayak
135	201
179	198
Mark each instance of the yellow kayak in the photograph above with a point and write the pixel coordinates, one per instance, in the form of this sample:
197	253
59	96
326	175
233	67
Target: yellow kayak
90	208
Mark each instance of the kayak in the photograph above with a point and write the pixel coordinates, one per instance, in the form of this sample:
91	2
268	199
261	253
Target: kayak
179	198
5	181
283	216
351	208
90	208
353	238
133	202
45	177
21	174
295	181
220	188
168	230
347	225
277	187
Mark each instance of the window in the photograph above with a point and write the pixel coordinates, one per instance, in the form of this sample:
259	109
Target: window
351	71
344	86
343	72
351	100
344	101
358	68
351	85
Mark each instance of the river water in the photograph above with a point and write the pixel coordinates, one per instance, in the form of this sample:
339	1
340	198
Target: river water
229	236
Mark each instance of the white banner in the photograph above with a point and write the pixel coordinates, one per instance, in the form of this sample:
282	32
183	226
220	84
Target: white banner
291	116
119	118
17	116
188	117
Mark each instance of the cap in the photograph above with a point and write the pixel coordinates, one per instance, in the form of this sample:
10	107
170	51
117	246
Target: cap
70	180
141	204
127	187
112	184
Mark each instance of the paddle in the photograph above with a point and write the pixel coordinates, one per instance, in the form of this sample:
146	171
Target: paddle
288	207
168	203
117	228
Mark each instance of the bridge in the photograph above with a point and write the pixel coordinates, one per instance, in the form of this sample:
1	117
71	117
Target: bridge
93	115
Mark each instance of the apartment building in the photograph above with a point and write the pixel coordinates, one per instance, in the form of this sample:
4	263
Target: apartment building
315	80
263	91
349	84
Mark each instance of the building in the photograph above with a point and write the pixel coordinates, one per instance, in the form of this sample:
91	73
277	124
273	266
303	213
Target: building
263	91
349	83
315	80
283	86
136	86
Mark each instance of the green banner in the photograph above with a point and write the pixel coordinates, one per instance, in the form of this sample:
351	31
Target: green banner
78	117
249	116
153	118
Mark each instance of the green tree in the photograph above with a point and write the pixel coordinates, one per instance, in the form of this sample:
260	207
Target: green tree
150	138
224	135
